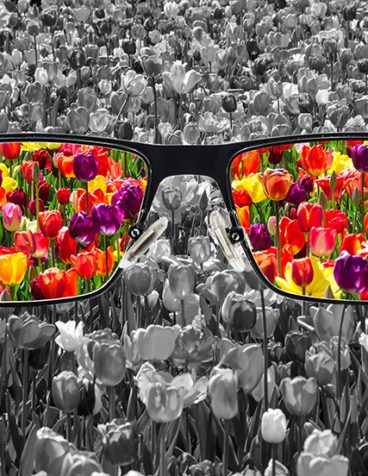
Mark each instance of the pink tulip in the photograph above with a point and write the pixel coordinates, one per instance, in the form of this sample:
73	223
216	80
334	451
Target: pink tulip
322	241
12	216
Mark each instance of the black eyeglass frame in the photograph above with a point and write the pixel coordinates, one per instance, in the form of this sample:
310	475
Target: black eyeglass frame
163	161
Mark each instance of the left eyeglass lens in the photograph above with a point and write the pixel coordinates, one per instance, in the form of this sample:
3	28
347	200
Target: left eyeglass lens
65	214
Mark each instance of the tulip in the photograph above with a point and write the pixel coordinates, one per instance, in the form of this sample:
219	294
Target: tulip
82	228
296	195
327	322
164	402
276	183
171	198
140	279
272	318
31	243
56	283
337	220
351	273
63	195
85	264
314	160
65	391
307	183
181	280
70	336
199	248
13	268
310	464
320	366
109	362
259	237
66	245
156	342
10	150
65	164
32	207
120	442
273	426
85	166
128	199
296	345
302	272
247	362
50	451
78	464
239	312
359	155
12	216
222	389
322	241
309	215
107	219
299	394
28	332
50	223
17	196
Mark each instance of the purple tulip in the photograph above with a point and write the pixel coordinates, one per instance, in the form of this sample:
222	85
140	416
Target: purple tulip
128	199
307	183
107	218
82	228
259	237
351	273
359	154
85	167
296	195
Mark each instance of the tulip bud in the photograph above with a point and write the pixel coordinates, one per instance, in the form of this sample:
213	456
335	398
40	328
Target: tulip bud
239	312
271	225
36	173
140	279
320	366
171	198
65	391
299	394
296	345
229	103
363	66
273	426
199	248
222	389
349	12
181	280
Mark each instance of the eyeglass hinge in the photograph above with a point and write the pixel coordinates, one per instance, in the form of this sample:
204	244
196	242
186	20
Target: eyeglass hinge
236	234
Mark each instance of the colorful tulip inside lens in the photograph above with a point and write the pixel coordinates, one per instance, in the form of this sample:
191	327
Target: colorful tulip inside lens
276	183
302	272
10	150
322	241
85	167
351	273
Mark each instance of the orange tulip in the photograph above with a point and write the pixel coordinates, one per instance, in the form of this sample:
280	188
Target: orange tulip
13	267
65	164
245	164
10	150
314	160
101	260
267	262
276	183
244	218
85	263
352	243
291	236
56	283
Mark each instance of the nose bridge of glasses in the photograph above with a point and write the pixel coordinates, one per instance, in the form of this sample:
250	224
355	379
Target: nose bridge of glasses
205	161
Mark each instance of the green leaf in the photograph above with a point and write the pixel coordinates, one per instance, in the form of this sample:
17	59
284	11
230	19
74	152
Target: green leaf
27	458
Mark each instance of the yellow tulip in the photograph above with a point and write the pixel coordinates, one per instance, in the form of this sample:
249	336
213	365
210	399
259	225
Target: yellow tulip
4	169
252	184
316	288
340	163
9	184
97	182
33	146
13	268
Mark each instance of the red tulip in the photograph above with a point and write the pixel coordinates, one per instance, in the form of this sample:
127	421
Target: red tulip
66	245
314	160
325	185
291	236
79	199
85	263
101	260
65	164
63	195
246	163
267	262
337	220
309	215
322	241
10	150
242	198
57	283
50	223
27	170
302	272
33	244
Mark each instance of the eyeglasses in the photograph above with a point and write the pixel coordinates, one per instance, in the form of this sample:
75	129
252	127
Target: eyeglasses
74	213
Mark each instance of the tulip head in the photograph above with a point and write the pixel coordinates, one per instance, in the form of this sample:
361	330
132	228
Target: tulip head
322	241
12	216
273	426
276	183
299	394
302	272
164	402
109	361
222	389
120	441
239	312
199	249
181	280
140	279
65	391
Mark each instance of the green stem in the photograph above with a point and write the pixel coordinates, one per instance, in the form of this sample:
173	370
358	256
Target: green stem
278	244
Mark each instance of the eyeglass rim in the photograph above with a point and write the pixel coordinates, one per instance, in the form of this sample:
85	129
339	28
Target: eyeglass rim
228	152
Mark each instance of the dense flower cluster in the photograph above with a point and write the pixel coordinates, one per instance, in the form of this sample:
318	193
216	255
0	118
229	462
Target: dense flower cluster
66	210
315	243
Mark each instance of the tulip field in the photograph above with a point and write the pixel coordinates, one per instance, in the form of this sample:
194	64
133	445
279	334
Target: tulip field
183	365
